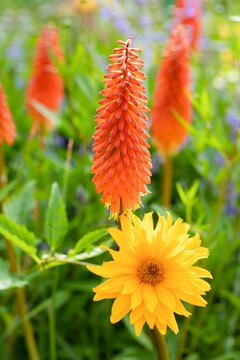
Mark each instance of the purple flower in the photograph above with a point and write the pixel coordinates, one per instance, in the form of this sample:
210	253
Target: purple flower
145	21
234	121
232	207
117	15
156	162
82	195
14	51
219	159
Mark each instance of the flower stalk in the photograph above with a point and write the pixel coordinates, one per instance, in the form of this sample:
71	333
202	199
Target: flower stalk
160	344
167	181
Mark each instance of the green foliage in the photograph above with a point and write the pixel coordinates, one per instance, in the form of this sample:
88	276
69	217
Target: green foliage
7	280
88	241
19	235
56	223
20	204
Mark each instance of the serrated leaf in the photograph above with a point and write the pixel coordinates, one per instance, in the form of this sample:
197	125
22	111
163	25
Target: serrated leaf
20	204
87	240
7	280
56	223
19	235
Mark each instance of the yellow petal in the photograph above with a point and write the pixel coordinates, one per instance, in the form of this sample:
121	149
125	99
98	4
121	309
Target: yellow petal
180	309
120	308
169	219
191	299
147	224
165	296
150	318
114	284
126	224
161	328
118	236
98	270
137	297
137	222
136	313
139	325
149	297
130	285
172	322
105	295
203	273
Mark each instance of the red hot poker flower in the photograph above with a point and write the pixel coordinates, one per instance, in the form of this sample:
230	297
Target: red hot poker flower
121	163
188	13
171	95
7	127
46	85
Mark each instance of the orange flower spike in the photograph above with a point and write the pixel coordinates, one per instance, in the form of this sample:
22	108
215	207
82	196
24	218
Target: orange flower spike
121	163
172	95
45	86
7	126
188	13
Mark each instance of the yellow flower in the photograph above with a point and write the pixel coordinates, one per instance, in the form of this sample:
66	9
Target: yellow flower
152	272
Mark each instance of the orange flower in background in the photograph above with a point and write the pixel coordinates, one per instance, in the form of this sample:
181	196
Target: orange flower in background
121	163
45	86
7	126
188	13
171	95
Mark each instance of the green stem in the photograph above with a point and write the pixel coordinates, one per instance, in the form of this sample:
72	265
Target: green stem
52	318
183	334
20	294
167	181
160	344
67	166
3	173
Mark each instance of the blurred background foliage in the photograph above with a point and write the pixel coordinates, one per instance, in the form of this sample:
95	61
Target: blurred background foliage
206	178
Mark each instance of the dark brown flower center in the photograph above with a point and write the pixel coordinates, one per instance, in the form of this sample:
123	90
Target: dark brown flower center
150	272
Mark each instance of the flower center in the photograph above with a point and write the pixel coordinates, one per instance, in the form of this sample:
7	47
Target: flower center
150	272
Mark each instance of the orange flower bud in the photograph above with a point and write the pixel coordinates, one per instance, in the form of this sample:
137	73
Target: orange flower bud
7	126
45	86
171	96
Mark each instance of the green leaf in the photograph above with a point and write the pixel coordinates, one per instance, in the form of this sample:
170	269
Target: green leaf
56	223
233	298
193	190
20	204
4	191
60	298
7	280
44	111
19	235
87	240
181	193
93	253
